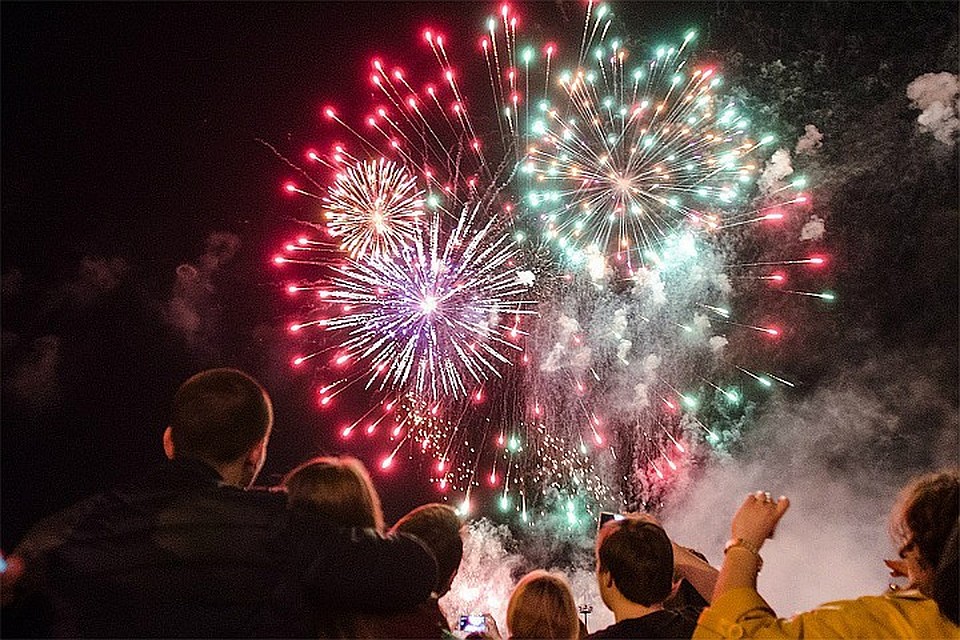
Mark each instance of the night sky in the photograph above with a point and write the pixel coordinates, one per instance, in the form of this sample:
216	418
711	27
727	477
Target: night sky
129	139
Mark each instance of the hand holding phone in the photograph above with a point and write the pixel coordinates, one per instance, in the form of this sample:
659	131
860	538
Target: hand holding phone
473	623
607	516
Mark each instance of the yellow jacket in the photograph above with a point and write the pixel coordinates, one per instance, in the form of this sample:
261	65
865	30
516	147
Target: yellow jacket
742	613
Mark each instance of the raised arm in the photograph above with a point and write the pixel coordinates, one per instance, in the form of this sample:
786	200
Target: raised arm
698	572
753	523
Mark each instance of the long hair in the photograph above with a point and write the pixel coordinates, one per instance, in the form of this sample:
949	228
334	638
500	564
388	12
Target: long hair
945	588
926	512
339	489
541	606
926	516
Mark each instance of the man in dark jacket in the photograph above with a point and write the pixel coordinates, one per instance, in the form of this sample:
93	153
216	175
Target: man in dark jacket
189	551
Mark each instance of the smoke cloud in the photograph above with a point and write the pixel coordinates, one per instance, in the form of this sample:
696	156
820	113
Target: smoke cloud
35	380
717	343
34	377
191	311
492	564
936	95
814	228
95	277
841	455
777	168
810	142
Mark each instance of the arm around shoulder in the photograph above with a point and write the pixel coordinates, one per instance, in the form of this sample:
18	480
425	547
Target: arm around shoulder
363	570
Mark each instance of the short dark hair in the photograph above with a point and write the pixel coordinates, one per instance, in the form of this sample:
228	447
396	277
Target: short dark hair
439	526
639	556
219	415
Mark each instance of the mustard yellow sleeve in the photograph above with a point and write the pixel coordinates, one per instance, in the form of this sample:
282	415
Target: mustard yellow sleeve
723	618
742	613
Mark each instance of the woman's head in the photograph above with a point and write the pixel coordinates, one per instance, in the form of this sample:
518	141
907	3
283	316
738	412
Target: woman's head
922	521
541	606
339	488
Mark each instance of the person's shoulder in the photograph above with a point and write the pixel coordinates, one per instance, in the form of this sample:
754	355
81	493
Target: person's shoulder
178	493
907	608
909	603
905	598
622	629
265	495
54	529
678	623
659	624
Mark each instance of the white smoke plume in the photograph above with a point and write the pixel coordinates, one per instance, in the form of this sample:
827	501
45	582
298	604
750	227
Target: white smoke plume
648	282
814	228
722	282
554	358
810	142
650	365
619	324
191	311
489	572
717	343
777	168
35	380
95	277
936	95
840	456
701	324
641	396
567	351
568	327
597	265
526	278
485	579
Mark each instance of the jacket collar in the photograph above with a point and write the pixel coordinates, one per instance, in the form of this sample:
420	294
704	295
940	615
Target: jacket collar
194	469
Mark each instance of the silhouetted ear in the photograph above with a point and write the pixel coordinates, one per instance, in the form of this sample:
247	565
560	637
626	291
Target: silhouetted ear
257	454
676	587
168	447
255	459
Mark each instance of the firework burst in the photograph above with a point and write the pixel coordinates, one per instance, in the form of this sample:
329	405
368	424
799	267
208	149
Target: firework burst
374	208
433	318
563	313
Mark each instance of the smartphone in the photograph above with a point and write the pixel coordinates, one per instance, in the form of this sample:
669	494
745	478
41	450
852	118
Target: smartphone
607	516
475	622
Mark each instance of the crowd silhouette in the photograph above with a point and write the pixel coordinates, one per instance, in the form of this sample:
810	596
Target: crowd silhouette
193	549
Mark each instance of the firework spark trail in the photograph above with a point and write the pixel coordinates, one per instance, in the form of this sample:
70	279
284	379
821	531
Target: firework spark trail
630	177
